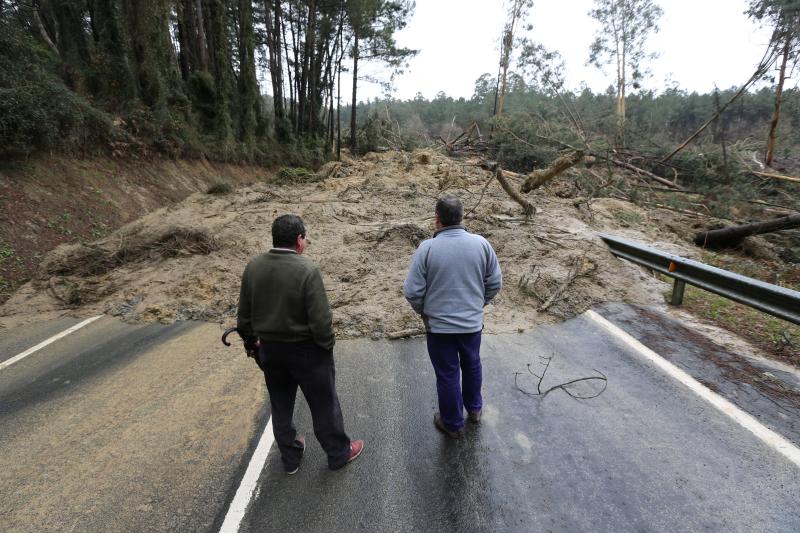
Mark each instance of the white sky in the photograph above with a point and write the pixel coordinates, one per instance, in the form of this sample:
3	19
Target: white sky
700	42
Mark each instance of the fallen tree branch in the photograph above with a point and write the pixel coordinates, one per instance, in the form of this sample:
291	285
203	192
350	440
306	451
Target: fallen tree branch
644	172
405	333
561	386
575	272
774	176
483	192
763	203
612	160
527	207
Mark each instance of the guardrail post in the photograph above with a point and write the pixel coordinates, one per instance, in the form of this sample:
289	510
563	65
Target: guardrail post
677	292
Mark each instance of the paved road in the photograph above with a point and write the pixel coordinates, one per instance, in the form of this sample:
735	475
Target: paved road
124	428
645	455
150	428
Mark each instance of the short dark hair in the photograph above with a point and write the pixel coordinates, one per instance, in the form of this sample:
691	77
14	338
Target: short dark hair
450	210
285	230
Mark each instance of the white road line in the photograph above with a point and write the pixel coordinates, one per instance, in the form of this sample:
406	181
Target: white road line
26	353
769	437
241	500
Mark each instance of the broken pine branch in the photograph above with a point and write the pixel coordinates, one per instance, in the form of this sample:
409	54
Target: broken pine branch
575	272
561	386
600	156
527	207
774	176
537	178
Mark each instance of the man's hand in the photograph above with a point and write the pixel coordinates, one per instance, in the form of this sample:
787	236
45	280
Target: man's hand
251	348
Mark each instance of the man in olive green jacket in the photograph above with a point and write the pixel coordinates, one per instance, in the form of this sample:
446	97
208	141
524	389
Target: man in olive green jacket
285	320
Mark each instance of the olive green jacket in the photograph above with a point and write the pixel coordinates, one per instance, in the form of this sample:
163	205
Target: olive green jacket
282	298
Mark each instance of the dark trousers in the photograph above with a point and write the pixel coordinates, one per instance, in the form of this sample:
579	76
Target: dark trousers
286	366
450	352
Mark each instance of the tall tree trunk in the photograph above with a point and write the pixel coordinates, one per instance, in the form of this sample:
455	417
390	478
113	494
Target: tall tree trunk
719	134
309	48
115	80
39	29
72	43
776	114
339	111
144	18
248	84
273	23
296	36
201	46
621	82
503	81
192	37
355	95
316	87
220	67
289	72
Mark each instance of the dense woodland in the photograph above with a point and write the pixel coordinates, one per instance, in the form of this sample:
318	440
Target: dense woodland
180	78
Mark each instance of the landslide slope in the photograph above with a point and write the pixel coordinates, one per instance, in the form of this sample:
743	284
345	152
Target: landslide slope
364	219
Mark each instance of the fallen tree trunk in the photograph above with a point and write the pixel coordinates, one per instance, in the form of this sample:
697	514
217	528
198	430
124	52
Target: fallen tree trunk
728	237
537	178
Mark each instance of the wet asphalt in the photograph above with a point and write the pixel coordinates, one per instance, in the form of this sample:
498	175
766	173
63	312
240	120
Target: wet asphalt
765	389
646	455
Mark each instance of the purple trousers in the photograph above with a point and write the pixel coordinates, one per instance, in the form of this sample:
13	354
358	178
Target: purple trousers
449	353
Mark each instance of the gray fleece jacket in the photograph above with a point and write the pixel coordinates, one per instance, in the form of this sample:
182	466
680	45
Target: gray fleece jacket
451	278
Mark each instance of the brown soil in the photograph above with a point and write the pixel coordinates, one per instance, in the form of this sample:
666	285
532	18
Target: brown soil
52	200
364	219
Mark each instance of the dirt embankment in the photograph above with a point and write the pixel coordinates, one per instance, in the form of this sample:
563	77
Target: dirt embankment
365	219
52	200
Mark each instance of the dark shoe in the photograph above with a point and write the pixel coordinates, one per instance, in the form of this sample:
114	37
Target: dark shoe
453	434
356	447
301	442
474	416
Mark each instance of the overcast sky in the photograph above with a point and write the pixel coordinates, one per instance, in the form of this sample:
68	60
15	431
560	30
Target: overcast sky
700	43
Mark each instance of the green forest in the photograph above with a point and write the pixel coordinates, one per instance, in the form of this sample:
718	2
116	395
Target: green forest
179	78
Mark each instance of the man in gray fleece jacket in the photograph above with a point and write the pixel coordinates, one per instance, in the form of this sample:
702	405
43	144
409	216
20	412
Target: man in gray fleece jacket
451	278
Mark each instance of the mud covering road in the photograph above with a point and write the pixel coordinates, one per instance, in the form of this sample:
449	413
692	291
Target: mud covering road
364	220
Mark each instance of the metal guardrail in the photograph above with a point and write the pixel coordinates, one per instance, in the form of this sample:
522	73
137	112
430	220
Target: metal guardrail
778	301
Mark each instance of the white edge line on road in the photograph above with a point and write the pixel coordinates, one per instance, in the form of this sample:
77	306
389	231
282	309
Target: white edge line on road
233	518
771	438
26	353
